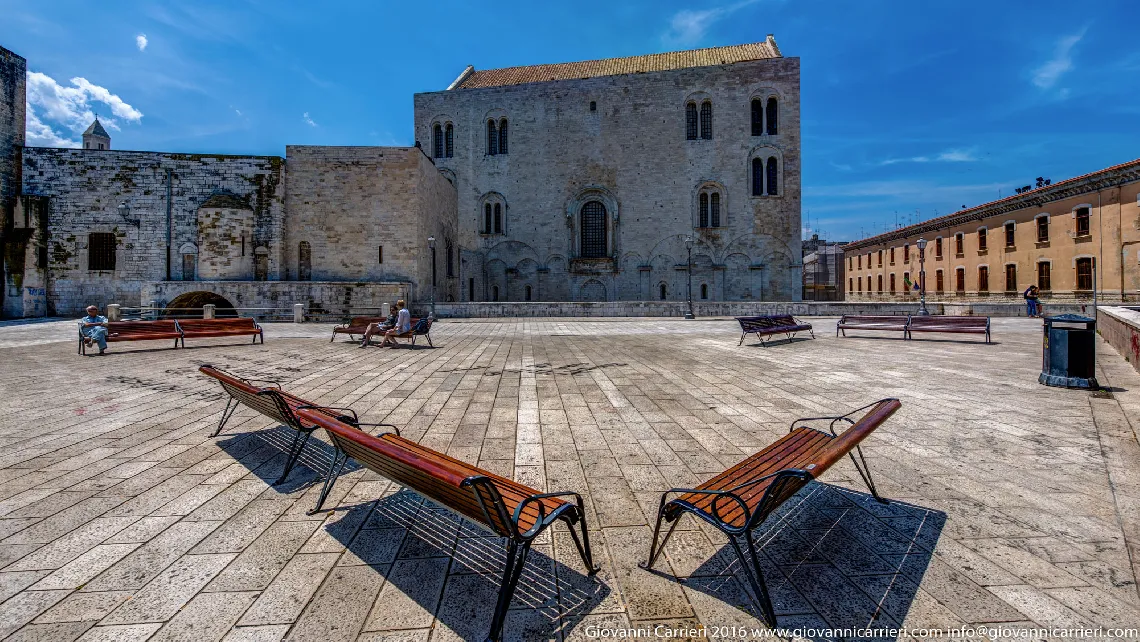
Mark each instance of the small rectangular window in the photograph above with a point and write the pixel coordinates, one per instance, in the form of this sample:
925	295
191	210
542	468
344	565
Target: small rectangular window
959	245
1082	221
983	279
892	257
1009	235
906	253
1042	229
1084	274
1043	276
938	247
1011	278
960	280
380	254
101	251
939	282
982	240
880	261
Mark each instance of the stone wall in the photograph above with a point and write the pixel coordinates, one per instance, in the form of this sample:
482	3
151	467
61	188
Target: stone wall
276	298
630	153
364	214
1120	326
83	189
13	73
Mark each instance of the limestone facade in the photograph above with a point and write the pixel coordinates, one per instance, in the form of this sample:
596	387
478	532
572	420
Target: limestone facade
618	147
13	74
1065	238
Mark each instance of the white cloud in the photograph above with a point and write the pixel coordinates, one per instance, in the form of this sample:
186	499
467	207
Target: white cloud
309	121
948	156
53	108
1049	73
141	41
688	27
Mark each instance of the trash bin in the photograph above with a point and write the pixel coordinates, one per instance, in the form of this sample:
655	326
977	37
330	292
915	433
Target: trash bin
1068	352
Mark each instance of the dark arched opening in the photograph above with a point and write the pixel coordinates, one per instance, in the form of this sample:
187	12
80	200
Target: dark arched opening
189	306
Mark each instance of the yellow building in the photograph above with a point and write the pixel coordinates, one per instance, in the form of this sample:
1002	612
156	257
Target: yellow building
1066	238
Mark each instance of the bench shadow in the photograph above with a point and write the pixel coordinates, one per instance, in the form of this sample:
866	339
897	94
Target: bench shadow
832	558
264	452
777	342
452	569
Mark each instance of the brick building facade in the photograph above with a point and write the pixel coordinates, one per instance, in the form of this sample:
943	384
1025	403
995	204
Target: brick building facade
1065	238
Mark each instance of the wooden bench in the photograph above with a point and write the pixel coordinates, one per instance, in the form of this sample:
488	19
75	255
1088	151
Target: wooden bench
741	498
855	322
355	325
932	323
502	506
136	331
271	401
200	328
764	326
412	334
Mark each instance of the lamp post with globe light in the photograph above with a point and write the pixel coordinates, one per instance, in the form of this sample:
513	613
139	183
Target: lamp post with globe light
922	311
689	271
431	245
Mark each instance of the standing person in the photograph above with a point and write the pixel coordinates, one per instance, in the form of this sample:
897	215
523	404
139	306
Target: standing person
403	325
94	329
1031	301
380	328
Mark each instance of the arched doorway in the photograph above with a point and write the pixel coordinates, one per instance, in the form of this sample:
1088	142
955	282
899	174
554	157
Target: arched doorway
189	306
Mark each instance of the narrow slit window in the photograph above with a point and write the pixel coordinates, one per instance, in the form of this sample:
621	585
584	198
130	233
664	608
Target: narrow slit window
437	141
706	120
772	111
492	138
503	136
703	215
449	141
690	121
757	177
715	210
757	117
773	176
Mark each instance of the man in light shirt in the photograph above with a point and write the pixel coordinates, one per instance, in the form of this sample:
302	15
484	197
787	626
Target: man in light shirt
94	329
403	325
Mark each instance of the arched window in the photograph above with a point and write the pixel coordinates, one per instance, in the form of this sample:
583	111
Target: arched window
691	121
304	261
703	216
437	141
449	141
772	111
495	293
492	139
593	230
704	290
757	177
757	117
706	120
498	218
503	136
526	294
663	291
715	209
773	176
487	218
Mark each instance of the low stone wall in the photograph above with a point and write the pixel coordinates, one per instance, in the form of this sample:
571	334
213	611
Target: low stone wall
725	309
1120	326
318	297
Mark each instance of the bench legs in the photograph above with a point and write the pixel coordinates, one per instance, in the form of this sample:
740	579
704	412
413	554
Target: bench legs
654	548
755	576
294	453
516	560
231	406
865	473
336	465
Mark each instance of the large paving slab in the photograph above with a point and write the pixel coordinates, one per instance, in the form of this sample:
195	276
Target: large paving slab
1013	505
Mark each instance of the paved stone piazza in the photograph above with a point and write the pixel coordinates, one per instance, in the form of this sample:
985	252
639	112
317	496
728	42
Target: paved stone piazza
1013	504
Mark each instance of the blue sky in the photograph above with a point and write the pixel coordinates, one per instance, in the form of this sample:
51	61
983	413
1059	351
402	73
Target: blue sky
910	109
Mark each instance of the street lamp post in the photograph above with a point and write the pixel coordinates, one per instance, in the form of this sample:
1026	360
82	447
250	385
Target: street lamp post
689	271
431	245
922	311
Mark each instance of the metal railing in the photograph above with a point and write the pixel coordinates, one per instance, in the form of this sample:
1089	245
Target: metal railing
147	313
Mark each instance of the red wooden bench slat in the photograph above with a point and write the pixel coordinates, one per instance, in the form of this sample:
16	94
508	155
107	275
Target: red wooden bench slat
356	325
137	331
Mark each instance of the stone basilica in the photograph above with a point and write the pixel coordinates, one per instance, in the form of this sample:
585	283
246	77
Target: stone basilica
586	181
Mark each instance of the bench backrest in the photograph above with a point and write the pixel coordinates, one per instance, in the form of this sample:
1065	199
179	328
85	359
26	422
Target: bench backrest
364	322
783	488
768	321
431	474
143	327
949	321
266	400
244	323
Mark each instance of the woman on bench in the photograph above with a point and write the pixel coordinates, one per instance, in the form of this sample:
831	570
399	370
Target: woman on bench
380	328
403	326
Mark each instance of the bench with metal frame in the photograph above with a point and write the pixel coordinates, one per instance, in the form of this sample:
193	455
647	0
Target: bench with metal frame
504	507
271	401
355	326
768	325
863	322
943	323
135	331
740	499
201	328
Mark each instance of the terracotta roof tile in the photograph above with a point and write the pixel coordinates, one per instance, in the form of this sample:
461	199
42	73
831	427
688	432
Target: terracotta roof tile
616	66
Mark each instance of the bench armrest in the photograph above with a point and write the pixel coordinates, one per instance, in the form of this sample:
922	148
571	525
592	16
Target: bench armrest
835	419
718	494
539	523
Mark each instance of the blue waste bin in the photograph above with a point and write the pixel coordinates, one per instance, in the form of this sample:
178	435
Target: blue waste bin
1068	352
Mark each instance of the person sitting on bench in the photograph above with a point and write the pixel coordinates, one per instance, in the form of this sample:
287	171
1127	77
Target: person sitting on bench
94	329
403	326
380	328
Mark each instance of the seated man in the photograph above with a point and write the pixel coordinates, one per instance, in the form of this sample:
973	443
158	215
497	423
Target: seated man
93	328
380	328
